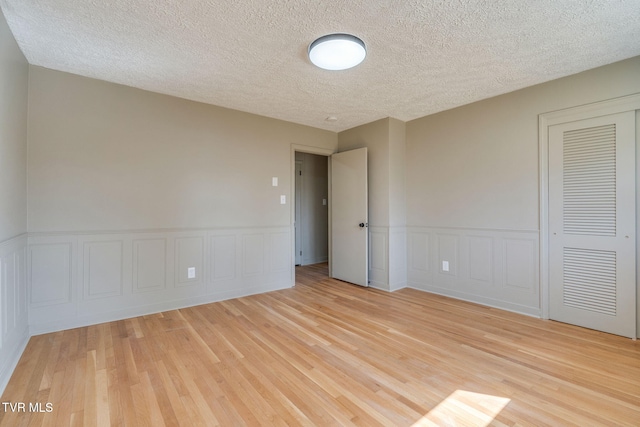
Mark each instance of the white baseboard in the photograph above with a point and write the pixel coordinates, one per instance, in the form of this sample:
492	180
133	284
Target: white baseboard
379	285
314	261
489	302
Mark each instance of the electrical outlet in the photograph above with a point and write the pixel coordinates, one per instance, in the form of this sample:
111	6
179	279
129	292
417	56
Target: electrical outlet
191	273
324	202
445	265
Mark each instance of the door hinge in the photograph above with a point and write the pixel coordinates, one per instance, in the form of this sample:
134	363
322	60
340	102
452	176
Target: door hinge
300	173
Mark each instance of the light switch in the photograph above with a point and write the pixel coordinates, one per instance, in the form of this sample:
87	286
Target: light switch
445	265
191	273
274	181
283	199
324	202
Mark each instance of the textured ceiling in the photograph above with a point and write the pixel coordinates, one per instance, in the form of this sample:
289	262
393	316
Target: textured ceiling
424	56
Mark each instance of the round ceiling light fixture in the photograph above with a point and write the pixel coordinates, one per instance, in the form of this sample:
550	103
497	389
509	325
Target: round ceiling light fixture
337	51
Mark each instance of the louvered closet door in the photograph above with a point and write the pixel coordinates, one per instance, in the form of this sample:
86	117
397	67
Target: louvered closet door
592	223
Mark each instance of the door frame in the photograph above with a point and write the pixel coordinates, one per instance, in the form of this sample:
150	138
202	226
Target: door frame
297	220
292	198
602	108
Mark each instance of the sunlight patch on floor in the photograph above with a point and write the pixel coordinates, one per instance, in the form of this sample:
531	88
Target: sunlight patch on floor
464	408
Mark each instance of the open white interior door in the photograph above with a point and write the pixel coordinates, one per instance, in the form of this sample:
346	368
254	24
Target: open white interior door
349	217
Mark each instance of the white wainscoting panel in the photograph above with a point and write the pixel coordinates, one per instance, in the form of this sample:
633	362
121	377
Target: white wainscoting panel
52	278
387	257
279	257
78	279
448	247
518	262
149	264
397	258
102	269
253	254
498	268
480	257
51	273
14	327
279	254
378	257
419	254
189	253
224	257
105	273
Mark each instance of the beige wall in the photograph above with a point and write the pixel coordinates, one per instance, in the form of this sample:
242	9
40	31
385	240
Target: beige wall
108	157
130	191
397	173
14	73
14	76
477	166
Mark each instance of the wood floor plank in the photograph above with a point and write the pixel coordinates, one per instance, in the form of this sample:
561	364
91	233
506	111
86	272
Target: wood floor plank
329	353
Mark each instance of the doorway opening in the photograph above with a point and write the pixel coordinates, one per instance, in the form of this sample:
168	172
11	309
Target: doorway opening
311	209
333	230
299	153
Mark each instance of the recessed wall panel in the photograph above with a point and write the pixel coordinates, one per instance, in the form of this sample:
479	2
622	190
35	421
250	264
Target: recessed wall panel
448	252
9	292
378	251
102	269
397	258
519	263
149	264
21	283
50	273
223	257
419	252
189	254
279	252
481	258
253	254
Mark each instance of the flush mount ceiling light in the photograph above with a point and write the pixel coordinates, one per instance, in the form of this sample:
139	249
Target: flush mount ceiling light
337	51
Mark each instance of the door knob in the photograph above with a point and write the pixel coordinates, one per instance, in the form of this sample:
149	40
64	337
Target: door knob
361	225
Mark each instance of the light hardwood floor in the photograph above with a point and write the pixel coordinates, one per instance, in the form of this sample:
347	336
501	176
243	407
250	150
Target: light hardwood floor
329	353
